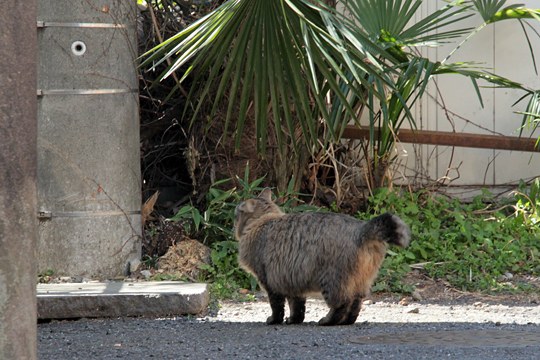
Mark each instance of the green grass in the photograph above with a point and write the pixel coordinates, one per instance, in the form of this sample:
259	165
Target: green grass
470	245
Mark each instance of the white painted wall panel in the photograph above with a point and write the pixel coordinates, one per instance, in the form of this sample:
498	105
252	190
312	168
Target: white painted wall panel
503	48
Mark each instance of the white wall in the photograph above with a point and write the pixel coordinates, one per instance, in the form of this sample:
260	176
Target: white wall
503	48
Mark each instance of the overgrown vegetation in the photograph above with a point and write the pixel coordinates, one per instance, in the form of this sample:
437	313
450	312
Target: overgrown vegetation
291	74
286	115
472	245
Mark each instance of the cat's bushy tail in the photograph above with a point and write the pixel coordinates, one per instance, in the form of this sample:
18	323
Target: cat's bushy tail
389	228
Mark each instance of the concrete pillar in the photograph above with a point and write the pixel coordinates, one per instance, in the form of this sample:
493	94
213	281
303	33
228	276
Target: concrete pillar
89	181
18	221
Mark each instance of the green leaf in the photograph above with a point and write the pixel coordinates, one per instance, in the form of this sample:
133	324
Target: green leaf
488	8
181	214
513	12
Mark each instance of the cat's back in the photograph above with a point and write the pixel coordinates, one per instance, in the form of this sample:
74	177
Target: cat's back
296	248
312	225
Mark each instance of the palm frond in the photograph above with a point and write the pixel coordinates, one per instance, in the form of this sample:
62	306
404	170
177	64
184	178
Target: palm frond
280	57
394	19
488	8
474	71
531	116
516	12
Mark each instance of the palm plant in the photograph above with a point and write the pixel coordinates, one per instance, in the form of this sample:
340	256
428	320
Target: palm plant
279	59
306	71
390	24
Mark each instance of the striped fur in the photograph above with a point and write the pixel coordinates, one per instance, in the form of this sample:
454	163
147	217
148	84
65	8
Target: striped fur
293	255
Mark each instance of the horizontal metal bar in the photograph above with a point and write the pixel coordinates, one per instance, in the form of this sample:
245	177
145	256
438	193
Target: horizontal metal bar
41	92
446	138
44	215
45	24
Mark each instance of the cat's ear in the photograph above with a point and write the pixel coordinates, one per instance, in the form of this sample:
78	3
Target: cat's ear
246	207
266	194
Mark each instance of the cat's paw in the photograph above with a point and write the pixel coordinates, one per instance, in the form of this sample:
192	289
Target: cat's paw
294	320
274	320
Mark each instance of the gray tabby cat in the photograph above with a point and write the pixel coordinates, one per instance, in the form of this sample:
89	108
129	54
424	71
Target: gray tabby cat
293	255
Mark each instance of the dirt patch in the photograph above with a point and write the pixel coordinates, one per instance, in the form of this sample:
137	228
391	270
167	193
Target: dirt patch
438	291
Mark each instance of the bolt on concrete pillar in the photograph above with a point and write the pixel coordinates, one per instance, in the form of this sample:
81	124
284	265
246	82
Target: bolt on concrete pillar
18	224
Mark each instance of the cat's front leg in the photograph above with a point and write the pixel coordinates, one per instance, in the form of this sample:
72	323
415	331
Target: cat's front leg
277	303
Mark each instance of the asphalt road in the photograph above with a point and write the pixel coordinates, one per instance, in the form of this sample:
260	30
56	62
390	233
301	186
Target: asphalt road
191	338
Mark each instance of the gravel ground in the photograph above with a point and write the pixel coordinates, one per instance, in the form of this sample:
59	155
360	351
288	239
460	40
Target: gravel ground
392	312
384	330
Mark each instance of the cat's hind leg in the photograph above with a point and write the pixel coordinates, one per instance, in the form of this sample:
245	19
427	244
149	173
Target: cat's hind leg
335	299
297	308
352	311
335	316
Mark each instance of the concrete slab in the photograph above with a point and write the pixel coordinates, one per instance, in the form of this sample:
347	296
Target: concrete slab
116	299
